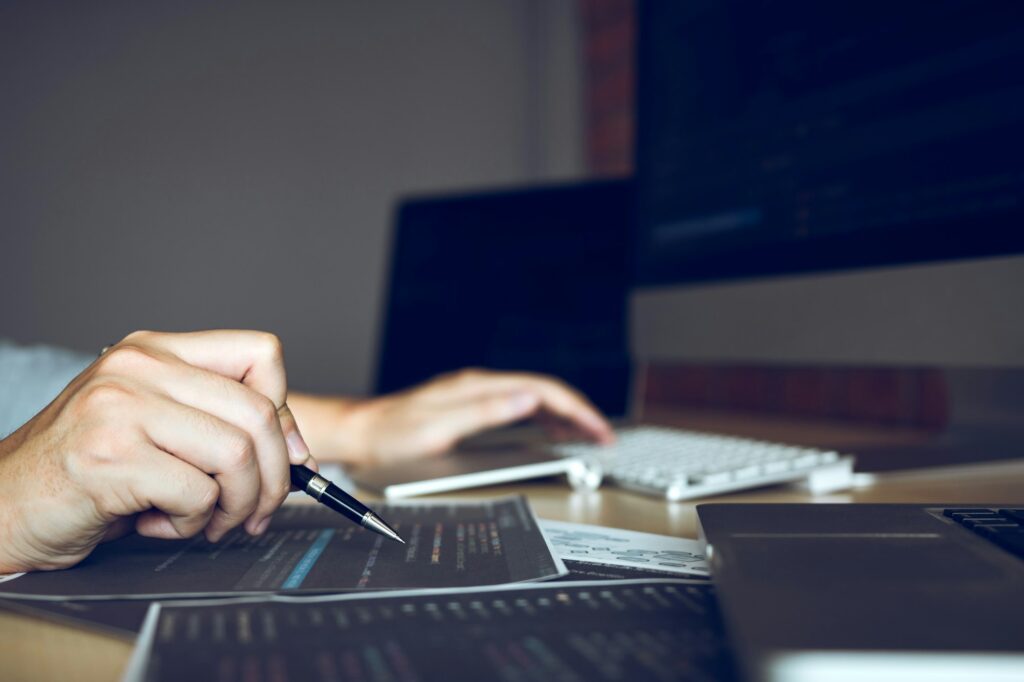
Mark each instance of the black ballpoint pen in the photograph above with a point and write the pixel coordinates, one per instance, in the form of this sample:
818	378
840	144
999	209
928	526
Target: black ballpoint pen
326	493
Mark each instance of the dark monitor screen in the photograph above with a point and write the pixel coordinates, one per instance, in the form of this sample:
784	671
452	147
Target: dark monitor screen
779	136
528	280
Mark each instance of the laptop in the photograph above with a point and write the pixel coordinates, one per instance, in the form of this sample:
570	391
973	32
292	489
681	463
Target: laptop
529	279
478	279
823	592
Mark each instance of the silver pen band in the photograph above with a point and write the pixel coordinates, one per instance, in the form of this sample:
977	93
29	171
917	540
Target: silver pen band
316	486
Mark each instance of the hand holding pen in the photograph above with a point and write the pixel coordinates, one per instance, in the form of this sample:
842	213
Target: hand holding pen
167	435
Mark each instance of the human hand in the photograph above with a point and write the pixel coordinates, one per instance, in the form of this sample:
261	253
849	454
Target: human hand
429	419
172	434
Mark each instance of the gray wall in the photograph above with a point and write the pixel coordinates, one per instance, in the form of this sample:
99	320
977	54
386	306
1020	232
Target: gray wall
191	164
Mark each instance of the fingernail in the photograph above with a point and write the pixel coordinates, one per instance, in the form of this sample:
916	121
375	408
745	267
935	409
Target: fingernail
521	403
298	451
262	526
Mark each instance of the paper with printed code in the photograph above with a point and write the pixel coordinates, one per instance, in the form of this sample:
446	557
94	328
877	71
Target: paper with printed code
579	542
312	549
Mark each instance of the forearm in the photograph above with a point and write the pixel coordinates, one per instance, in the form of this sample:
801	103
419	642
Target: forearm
334	427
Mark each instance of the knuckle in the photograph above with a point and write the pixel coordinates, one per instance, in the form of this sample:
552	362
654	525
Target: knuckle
102	395
125	357
271	345
264	414
492	410
239	451
138	336
558	384
205	495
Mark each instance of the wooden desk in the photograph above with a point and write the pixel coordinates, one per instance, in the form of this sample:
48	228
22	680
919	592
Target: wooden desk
32	649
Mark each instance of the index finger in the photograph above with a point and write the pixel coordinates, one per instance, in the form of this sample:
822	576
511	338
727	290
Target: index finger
253	358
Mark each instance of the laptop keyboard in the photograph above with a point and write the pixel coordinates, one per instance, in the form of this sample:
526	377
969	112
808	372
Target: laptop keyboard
1005	527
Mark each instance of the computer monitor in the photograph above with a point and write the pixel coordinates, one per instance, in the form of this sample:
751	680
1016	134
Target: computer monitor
830	182
533	279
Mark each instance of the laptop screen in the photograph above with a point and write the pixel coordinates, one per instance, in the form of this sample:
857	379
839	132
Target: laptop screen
527	280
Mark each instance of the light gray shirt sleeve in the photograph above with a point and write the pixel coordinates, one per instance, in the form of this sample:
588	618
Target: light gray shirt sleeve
31	377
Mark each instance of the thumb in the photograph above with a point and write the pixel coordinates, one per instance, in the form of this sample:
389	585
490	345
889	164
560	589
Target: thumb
298	451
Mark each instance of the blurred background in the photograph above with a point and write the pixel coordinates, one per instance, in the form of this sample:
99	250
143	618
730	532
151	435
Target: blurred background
194	164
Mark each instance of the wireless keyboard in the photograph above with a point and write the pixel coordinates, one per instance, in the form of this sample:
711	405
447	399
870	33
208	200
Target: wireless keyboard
680	465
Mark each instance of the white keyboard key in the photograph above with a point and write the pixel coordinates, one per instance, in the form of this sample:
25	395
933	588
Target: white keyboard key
747	472
713	478
777	467
806	460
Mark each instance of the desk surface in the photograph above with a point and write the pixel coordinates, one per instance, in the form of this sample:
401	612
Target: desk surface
32	649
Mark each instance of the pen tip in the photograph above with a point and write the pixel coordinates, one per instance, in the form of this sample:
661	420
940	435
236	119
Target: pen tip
374	523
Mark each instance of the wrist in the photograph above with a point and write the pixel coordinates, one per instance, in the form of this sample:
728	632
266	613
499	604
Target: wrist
11	523
336	429
355	423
